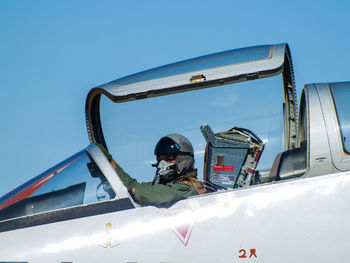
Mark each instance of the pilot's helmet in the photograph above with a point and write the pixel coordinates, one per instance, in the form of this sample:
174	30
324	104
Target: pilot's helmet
179	146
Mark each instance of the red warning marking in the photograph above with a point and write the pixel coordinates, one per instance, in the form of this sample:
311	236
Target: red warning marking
251	171
223	168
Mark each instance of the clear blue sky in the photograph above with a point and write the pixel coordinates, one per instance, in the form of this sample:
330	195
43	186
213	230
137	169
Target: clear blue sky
53	52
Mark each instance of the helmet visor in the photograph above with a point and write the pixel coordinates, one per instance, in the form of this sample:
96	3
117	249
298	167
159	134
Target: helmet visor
166	146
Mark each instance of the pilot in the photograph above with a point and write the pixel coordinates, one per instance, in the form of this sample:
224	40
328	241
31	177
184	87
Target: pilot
175	179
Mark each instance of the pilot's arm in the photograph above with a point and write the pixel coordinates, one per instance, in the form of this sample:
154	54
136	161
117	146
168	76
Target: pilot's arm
148	194
157	194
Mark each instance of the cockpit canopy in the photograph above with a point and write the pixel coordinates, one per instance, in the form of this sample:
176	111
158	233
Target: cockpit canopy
251	88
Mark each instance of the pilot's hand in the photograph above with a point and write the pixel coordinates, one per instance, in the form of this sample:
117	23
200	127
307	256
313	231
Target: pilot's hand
113	163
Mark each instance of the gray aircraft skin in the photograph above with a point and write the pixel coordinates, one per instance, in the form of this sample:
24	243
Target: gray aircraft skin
280	183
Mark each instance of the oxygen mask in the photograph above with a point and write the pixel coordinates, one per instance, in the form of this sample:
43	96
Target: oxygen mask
166	172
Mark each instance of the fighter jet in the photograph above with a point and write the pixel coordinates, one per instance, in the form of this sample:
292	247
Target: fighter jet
278	173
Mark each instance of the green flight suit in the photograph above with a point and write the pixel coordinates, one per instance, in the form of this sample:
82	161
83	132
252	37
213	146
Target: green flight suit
159	194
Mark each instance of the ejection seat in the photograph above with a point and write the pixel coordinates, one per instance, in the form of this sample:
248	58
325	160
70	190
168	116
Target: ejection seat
231	157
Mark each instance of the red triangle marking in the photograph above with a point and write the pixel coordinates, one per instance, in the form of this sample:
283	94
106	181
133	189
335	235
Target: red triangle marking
183	230
183	233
